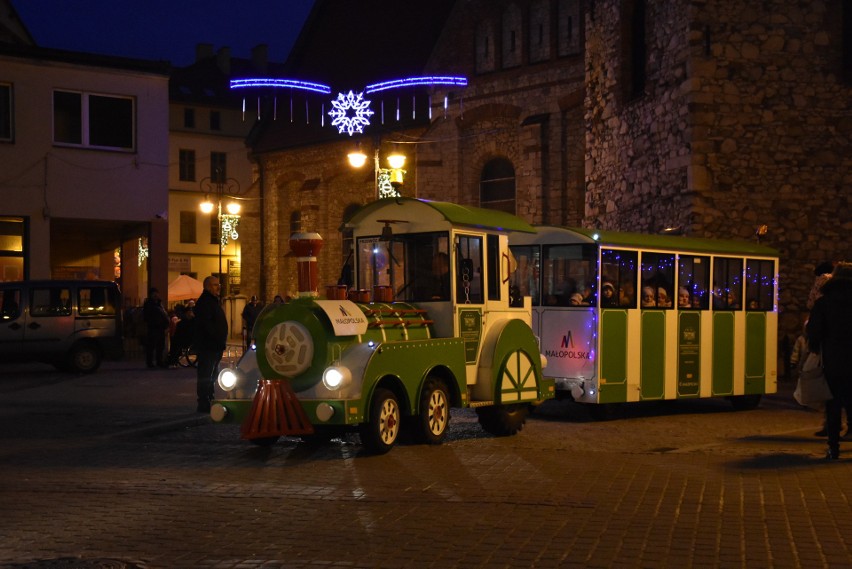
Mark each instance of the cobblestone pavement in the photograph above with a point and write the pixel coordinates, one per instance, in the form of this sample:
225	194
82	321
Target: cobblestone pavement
114	470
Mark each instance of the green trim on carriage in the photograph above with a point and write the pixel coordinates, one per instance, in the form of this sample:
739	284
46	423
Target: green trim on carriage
676	242
454	213
755	353
652	355
346	412
238	410
519	374
613	356
723	353
689	354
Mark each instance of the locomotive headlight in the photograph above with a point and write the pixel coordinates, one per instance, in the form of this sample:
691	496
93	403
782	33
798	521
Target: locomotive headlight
228	379
336	377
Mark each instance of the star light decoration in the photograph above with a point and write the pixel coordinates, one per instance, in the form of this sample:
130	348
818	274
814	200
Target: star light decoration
350	122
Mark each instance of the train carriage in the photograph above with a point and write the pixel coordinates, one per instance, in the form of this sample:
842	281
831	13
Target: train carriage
626	317
427	324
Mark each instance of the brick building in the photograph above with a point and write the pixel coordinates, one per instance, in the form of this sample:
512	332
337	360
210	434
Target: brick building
714	118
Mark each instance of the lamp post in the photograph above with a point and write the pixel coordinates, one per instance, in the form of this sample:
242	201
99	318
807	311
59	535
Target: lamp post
221	187
387	180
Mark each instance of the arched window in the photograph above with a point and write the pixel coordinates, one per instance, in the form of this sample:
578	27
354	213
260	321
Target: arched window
295	222
497	185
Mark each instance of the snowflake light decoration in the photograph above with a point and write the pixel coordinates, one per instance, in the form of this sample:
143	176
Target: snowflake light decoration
343	120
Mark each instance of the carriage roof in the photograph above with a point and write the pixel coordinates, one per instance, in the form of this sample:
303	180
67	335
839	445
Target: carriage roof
422	212
546	234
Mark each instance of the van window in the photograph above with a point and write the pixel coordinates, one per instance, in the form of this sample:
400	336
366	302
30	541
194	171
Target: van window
96	301
50	301
10	303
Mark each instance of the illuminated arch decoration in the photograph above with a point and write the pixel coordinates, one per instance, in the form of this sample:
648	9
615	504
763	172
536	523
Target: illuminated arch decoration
350	112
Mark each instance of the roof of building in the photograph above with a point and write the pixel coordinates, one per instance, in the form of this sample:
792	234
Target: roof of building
82	58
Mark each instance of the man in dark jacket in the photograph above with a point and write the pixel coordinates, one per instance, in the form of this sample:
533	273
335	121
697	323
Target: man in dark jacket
211	335
830	333
156	323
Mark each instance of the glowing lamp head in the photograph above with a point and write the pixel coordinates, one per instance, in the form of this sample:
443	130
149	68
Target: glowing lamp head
233	208
207	206
336	377
396	160
357	159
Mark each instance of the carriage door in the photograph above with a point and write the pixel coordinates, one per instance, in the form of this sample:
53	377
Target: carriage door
469	297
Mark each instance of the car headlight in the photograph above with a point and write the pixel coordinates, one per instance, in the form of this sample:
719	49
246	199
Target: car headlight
336	377
228	379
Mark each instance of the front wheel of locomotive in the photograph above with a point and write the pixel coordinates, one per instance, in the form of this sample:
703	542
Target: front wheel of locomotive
503	420
380	433
434	418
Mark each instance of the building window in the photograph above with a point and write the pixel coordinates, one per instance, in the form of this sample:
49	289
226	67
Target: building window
634	51
568	15
539	31
485	47
295	221
6	114
512	36
218	166
12	248
189	118
214	230
497	185
846	33
186	165
98	121
187	227
215	120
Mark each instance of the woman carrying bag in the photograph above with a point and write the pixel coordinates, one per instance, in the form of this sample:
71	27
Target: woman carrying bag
830	333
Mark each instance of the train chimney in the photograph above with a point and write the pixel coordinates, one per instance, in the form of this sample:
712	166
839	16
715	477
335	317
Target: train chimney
306	247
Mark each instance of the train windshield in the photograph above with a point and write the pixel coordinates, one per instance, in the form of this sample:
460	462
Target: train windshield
415	266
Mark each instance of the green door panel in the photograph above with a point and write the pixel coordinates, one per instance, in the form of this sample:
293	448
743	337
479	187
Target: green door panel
723	353
755	353
652	360
689	354
613	356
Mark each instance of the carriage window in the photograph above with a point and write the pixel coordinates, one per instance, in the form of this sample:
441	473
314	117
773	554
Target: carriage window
525	281
468	269
618	278
657	280
727	284
568	275
693	279
760	285
494	268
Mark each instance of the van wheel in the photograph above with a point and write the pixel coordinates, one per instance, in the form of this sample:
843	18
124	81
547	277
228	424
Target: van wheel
84	358
745	402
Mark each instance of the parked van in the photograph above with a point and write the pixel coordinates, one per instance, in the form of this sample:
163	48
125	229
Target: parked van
71	324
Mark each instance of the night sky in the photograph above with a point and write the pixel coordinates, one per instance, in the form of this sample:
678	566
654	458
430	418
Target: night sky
164	29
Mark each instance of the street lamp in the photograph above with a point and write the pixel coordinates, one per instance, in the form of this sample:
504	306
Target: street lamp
387	179
221	187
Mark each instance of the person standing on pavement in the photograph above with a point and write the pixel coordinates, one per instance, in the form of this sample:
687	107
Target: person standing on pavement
211	335
250	312
156	323
830	333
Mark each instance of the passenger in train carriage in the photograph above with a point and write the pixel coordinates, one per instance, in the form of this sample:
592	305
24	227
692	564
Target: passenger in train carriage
608	295
627	295
649	299
683	300
663	298
576	299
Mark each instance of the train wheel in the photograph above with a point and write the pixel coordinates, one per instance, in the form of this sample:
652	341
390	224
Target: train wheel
380	433
745	402
264	441
434	417
503	420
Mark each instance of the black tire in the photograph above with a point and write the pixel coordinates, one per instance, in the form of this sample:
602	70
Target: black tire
84	357
265	441
503	420
431	423
745	402
601	411
381	432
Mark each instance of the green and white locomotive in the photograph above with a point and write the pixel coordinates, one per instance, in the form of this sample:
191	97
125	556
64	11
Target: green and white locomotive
428	324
